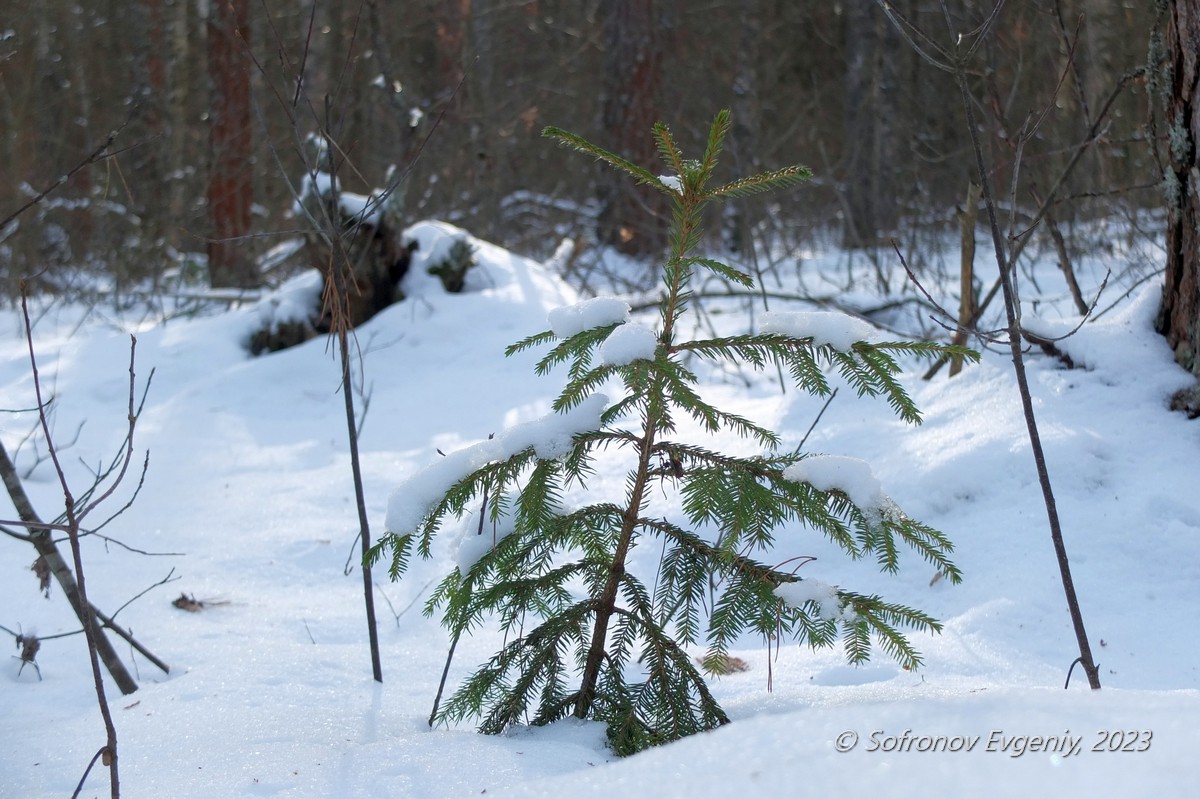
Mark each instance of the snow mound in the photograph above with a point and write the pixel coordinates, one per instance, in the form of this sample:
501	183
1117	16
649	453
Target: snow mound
1117	345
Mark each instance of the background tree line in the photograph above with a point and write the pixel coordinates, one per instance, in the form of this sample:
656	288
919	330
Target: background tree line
458	91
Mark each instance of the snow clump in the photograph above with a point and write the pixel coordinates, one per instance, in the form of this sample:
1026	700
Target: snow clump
829	604
628	343
476	539
596	312
825	327
852	476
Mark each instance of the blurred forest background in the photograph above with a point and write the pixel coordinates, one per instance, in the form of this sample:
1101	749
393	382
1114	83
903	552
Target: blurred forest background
213	99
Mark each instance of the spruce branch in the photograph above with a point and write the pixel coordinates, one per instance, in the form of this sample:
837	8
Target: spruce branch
583	145
785	178
717	133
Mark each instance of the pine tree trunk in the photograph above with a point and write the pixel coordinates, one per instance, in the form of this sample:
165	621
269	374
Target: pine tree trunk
872	75
230	184
451	23
746	124
632	82
1179	314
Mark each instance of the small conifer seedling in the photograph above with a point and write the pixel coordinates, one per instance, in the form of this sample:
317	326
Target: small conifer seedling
584	634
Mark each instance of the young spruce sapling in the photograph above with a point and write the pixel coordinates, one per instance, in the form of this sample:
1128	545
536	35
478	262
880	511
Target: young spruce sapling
584	634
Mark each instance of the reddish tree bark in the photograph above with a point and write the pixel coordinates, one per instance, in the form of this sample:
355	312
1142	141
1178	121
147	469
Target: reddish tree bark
630	215
1179	314
230	183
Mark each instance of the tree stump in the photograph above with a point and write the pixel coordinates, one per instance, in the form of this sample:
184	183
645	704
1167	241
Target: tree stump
376	259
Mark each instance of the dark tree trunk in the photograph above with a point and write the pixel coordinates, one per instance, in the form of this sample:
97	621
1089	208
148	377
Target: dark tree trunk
746	124
451	23
151	161
230	183
871	141
1179	314
631	216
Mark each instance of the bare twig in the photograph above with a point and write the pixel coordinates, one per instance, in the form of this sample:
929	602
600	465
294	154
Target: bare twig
397	614
336	293
116	628
815	421
1064	262
102	753
128	504
327	225
94	636
1020	243
437	699
99	154
1006	262
966	297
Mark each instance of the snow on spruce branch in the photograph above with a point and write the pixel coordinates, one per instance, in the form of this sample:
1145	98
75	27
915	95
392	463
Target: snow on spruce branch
838	330
852	476
628	343
550	437
569	320
825	596
478	537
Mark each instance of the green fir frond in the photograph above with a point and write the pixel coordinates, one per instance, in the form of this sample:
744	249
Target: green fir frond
931	544
672	703
443	594
529	342
576	349
581	144
502	691
669	152
797	355
717	132
399	546
872	372
747	603
928	349
884	622
723	270
683	579
767	181
585	384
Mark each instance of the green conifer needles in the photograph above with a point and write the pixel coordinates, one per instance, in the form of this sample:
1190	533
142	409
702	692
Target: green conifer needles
590	631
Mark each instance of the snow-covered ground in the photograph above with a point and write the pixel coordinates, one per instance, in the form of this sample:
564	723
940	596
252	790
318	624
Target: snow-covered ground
270	692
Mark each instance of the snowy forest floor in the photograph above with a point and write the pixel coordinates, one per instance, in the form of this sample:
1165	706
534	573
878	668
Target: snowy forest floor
270	691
